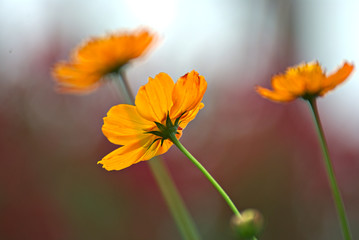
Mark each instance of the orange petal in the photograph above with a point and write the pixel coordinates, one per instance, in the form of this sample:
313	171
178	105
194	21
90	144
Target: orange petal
314	76
139	42
275	95
290	84
117	48
123	157
336	78
167	144
124	125
153	100
128	155
98	57
307	78
74	77
187	93
156	149
189	116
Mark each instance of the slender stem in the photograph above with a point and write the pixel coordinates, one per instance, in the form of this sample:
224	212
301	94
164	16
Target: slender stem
167	187
123	87
173	199
330	172
206	173
126	87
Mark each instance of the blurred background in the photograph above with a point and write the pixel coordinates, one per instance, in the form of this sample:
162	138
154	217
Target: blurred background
266	155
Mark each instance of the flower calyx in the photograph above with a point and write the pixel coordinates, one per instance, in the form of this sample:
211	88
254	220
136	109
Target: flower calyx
248	225
309	96
166	131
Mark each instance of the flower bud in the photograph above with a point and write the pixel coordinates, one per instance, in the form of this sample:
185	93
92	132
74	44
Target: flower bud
248	225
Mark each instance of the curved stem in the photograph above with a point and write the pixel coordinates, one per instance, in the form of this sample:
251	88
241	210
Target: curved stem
163	178
330	173
206	174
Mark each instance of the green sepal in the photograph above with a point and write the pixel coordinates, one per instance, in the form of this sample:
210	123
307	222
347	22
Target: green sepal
177	122
168	122
157	133
165	131
160	126
154	142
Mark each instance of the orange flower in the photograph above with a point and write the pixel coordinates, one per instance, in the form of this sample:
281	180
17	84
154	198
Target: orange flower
161	108
99	57
307	81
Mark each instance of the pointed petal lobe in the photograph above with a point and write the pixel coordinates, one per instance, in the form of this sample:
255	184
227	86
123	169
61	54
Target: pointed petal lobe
122	157
187	93
336	78
153	100
275	95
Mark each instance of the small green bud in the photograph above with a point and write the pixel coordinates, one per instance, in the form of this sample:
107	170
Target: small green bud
249	225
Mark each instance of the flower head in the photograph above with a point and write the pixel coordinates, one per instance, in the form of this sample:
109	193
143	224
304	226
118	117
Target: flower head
162	108
305	81
98	57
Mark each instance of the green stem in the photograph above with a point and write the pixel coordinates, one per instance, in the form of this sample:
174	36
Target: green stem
206	173
124	88
330	172
173	199
167	187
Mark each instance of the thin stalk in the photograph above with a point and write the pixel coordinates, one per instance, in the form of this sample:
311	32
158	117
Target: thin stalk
173	199
164	180
123	87
206	174
330	172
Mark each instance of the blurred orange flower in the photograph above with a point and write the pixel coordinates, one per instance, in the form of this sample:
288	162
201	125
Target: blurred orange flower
162	107
98	57
306	81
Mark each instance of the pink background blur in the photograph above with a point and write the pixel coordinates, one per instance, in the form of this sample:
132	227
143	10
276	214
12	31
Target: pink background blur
265	155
